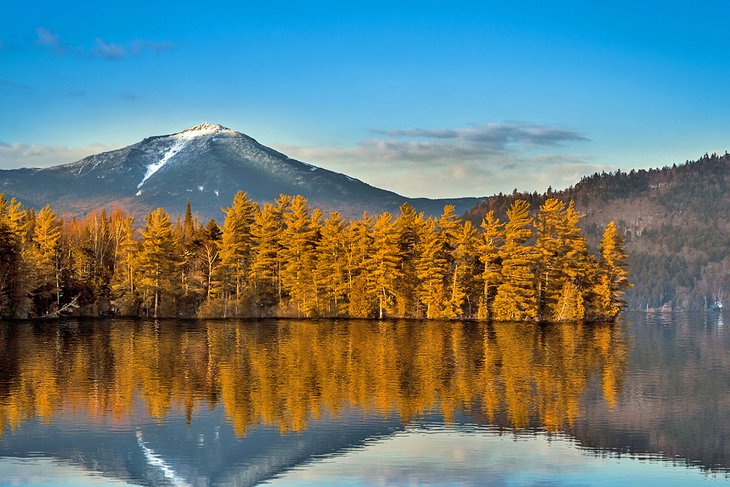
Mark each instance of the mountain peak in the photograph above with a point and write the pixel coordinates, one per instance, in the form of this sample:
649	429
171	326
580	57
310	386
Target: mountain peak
205	129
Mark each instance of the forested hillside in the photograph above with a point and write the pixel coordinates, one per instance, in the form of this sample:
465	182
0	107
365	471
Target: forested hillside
285	259
673	220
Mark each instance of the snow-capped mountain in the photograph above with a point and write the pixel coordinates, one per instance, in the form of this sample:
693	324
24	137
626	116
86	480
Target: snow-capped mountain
207	164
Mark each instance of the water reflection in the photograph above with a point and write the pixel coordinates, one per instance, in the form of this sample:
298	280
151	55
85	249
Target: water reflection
290	373
238	403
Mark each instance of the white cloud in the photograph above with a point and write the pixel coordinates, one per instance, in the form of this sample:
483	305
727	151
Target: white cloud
15	155
471	161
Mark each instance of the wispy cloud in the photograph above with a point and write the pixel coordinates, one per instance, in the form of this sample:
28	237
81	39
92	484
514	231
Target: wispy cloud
103	49
460	161
108	50
46	38
113	52
15	155
496	136
128	96
12	85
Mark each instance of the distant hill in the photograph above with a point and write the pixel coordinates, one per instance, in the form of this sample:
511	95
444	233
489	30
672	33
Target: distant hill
207	164
674	219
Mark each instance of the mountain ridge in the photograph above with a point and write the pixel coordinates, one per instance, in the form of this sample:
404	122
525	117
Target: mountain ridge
207	164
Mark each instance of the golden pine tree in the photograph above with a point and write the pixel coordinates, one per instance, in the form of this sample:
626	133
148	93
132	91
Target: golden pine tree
17	243
298	243
230	278
579	269
552	250
358	256
190	240
492	239
449	228
433	271
331	272
465	289
407	229
124	285
157	265
516	297
382	266
10	262
613	278
20	221
46	256
265	268
565	266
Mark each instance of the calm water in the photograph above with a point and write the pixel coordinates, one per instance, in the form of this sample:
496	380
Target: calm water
643	402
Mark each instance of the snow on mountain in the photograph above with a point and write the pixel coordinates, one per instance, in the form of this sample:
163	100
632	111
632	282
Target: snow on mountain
165	171
180	140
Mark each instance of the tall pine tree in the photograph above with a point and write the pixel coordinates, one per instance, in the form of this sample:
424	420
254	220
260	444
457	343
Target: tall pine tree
516	297
231	277
613	277
157	265
492	239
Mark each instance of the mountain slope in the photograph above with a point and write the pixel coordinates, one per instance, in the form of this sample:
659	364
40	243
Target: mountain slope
207	164
674	222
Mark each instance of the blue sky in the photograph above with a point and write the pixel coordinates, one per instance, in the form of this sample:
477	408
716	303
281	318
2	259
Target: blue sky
424	98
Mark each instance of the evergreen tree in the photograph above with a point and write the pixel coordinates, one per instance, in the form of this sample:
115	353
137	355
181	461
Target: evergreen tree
16	275
10	264
298	243
331	273
46	258
124	285
465	285
613	277
579	267
382	265
407	229
564	262
230	278
492	239
433	270
157	264
189	224
450	228
266	231
516	297
358	257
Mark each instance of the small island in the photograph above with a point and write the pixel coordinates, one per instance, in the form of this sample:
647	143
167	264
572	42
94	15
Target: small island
284	259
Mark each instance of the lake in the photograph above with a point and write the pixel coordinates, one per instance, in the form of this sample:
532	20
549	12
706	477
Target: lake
645	401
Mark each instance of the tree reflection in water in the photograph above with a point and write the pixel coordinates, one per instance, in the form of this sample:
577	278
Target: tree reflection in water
289	373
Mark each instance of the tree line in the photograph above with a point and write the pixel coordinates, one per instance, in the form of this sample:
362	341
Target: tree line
285	259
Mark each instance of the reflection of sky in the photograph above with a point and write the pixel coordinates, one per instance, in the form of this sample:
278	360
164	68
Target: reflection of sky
449	457
41	472
427	456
